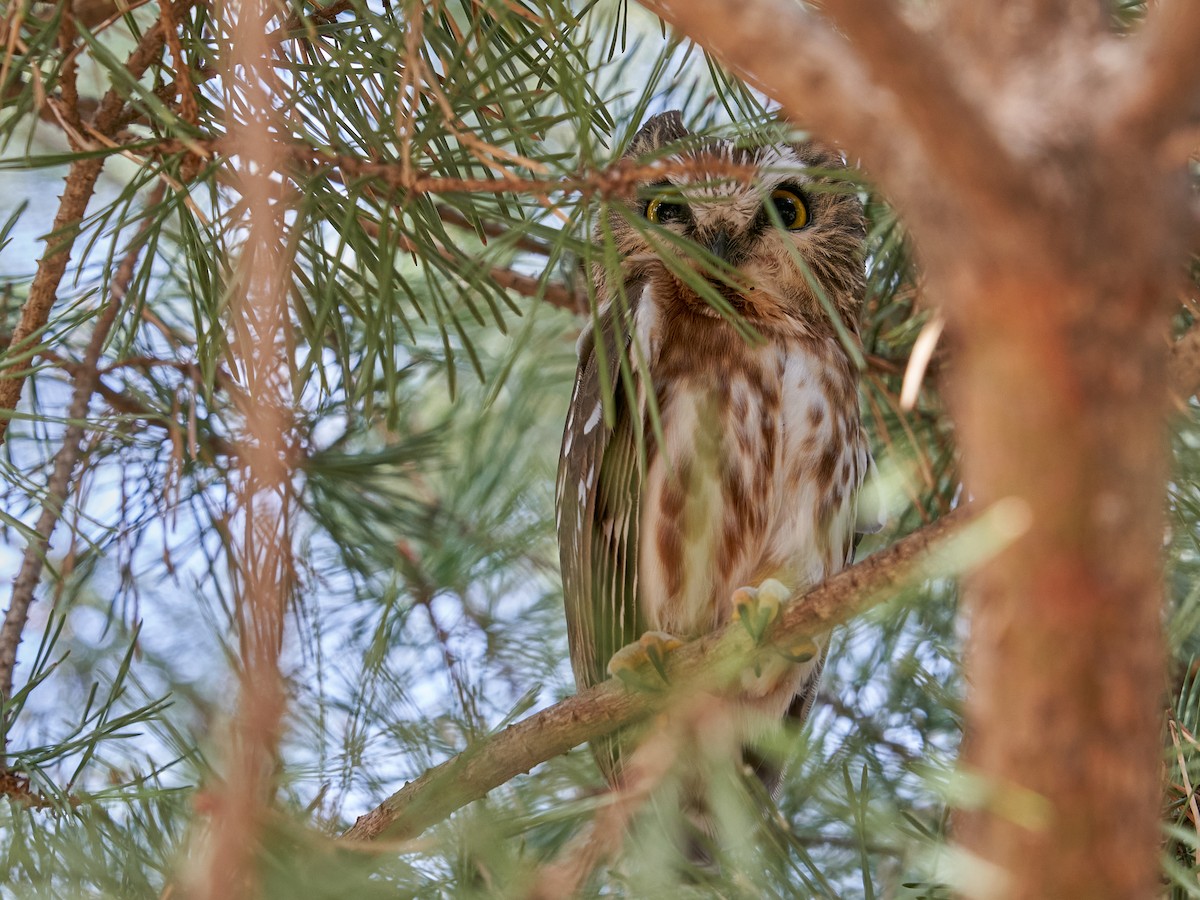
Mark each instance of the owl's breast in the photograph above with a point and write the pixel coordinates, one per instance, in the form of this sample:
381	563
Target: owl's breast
754	478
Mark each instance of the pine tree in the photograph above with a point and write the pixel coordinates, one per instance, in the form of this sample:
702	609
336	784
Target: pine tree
287	350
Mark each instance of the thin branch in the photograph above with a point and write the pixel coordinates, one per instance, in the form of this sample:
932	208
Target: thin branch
80	185
212	445
611	705
1162	78
553	293
864	724
59	485
452	216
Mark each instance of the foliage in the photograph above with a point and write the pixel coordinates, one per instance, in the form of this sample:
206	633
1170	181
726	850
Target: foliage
445	162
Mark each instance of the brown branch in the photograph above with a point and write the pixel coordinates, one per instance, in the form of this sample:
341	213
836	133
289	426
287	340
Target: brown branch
80	184
1161	86
65	459
452	216
610	705
923	121
951	125
553	293
212	445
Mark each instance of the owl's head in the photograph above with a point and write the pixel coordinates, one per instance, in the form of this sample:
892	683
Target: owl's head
783	247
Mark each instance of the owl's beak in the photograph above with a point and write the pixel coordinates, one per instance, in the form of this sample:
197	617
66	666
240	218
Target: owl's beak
719	245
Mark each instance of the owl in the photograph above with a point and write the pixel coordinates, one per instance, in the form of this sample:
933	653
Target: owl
726	474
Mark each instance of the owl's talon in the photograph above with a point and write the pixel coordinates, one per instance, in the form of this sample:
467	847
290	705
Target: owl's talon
758	607
801	652
651	648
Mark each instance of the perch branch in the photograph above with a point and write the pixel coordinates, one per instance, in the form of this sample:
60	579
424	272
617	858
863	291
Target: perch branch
610	705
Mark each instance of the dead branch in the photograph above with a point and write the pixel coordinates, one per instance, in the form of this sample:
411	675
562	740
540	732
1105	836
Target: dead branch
611	705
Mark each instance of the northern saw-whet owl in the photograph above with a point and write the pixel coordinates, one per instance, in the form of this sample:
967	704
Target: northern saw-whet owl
746	488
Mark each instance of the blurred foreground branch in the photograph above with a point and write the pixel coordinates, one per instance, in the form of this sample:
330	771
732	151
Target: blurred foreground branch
606	707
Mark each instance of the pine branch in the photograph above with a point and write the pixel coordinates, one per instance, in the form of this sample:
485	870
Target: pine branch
555	294
210	446
611	705
86	376
263	566
80	185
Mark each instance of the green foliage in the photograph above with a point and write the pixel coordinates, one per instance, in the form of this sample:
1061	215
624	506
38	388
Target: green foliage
431	395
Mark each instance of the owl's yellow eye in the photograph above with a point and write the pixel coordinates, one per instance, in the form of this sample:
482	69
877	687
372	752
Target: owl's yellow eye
792	210
662	210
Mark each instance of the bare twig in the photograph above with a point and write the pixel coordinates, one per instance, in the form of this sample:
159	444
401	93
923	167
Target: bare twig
86	376
610	705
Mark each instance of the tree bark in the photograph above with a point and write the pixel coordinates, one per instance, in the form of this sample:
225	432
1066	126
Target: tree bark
1065	654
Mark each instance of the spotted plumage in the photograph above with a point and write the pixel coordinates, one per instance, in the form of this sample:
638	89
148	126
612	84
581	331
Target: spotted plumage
752	469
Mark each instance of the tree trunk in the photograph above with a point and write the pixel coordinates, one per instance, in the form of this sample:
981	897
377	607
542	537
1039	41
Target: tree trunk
1060	400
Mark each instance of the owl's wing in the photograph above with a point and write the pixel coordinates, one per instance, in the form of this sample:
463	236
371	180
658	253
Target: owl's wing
599	486
869	514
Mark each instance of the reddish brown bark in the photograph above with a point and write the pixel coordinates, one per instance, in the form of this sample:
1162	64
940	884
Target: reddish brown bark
1065	656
